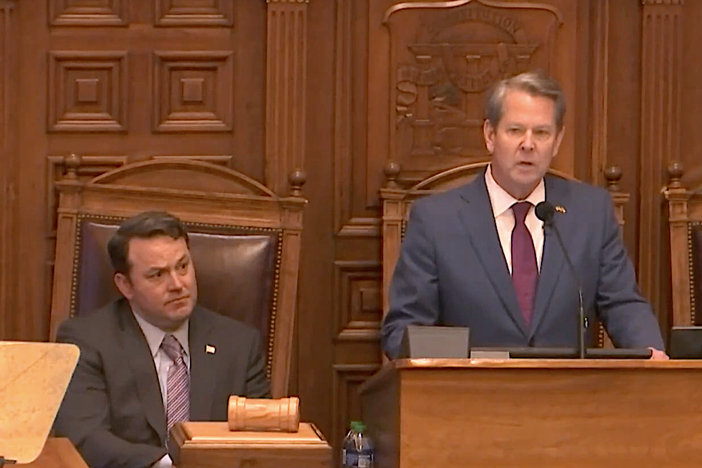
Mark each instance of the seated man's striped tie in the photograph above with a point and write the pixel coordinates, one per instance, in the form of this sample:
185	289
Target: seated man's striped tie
178	384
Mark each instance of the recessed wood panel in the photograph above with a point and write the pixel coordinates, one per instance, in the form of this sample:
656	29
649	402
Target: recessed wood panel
88	12
357	291
194	12
193	91
87	92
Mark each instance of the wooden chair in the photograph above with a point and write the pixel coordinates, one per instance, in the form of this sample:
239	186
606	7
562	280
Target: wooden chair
685	224
396	203
244	239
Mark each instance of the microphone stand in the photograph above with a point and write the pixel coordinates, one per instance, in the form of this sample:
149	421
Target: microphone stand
582	321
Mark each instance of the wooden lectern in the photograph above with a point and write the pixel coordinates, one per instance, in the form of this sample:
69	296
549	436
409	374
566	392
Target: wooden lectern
535	413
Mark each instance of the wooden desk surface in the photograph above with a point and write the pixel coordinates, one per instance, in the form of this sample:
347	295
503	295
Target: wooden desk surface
58	453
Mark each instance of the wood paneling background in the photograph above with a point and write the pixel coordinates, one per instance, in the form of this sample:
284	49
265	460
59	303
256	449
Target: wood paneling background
337	88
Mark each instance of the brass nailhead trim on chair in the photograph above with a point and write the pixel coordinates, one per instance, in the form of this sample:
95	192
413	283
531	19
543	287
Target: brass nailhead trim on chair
690	265
274	306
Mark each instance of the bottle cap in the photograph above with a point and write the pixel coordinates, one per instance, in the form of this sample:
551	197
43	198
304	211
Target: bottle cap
358	426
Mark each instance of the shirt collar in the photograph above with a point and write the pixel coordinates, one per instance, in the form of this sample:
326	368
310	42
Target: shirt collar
154	335
502	201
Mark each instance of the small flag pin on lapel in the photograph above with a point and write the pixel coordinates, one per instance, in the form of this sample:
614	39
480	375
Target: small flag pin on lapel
560	209
209	349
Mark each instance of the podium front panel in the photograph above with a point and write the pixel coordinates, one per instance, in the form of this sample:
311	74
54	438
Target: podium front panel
537	414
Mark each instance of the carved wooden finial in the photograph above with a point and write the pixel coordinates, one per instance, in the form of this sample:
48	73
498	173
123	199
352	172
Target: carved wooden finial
297	179
72	163
675	173
392	171
613	174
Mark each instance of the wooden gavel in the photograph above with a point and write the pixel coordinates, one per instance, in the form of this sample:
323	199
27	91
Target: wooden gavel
247	414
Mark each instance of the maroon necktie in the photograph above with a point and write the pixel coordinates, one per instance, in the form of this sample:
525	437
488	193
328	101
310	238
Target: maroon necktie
524	270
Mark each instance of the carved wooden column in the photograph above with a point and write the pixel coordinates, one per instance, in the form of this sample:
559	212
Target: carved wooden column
661	71
8	82
286	80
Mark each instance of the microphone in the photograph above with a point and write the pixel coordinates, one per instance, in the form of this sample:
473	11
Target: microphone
545	212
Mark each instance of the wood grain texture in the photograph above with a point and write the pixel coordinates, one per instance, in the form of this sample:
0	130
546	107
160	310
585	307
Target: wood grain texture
286	78
8	84
684	207
600	53
253	414
535	413
212	445
338	99
662	67
58	453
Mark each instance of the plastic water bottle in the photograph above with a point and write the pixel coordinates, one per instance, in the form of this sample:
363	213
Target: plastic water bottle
357	450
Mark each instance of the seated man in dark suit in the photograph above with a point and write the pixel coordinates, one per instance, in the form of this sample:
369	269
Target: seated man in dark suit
478	257
155	357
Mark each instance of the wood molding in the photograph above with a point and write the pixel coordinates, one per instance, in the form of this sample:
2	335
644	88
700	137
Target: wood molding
90	166
86	109
343	125
83	13
662	2
194	109
8	83
286	82
357	299
600	91
661	74
218	13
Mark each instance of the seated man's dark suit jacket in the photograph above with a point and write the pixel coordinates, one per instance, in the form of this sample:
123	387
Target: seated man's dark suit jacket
113	410
452	271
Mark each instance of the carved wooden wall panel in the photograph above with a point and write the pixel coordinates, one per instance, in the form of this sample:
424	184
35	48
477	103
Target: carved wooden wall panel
88	91
193	91
442	60
357	300
337	88
441	57
194	13
118	81
8	87
286	73
88	13
661	58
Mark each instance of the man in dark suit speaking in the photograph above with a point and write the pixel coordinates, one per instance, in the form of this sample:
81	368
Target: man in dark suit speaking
155	357
478	256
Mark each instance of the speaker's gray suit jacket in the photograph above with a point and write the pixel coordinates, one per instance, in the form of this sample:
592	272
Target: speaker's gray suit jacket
113	410
452	271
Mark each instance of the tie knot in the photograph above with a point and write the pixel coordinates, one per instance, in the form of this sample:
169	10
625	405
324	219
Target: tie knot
172	347
520	210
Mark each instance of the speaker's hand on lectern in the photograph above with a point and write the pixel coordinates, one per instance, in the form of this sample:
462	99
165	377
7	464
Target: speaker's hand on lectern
657	355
